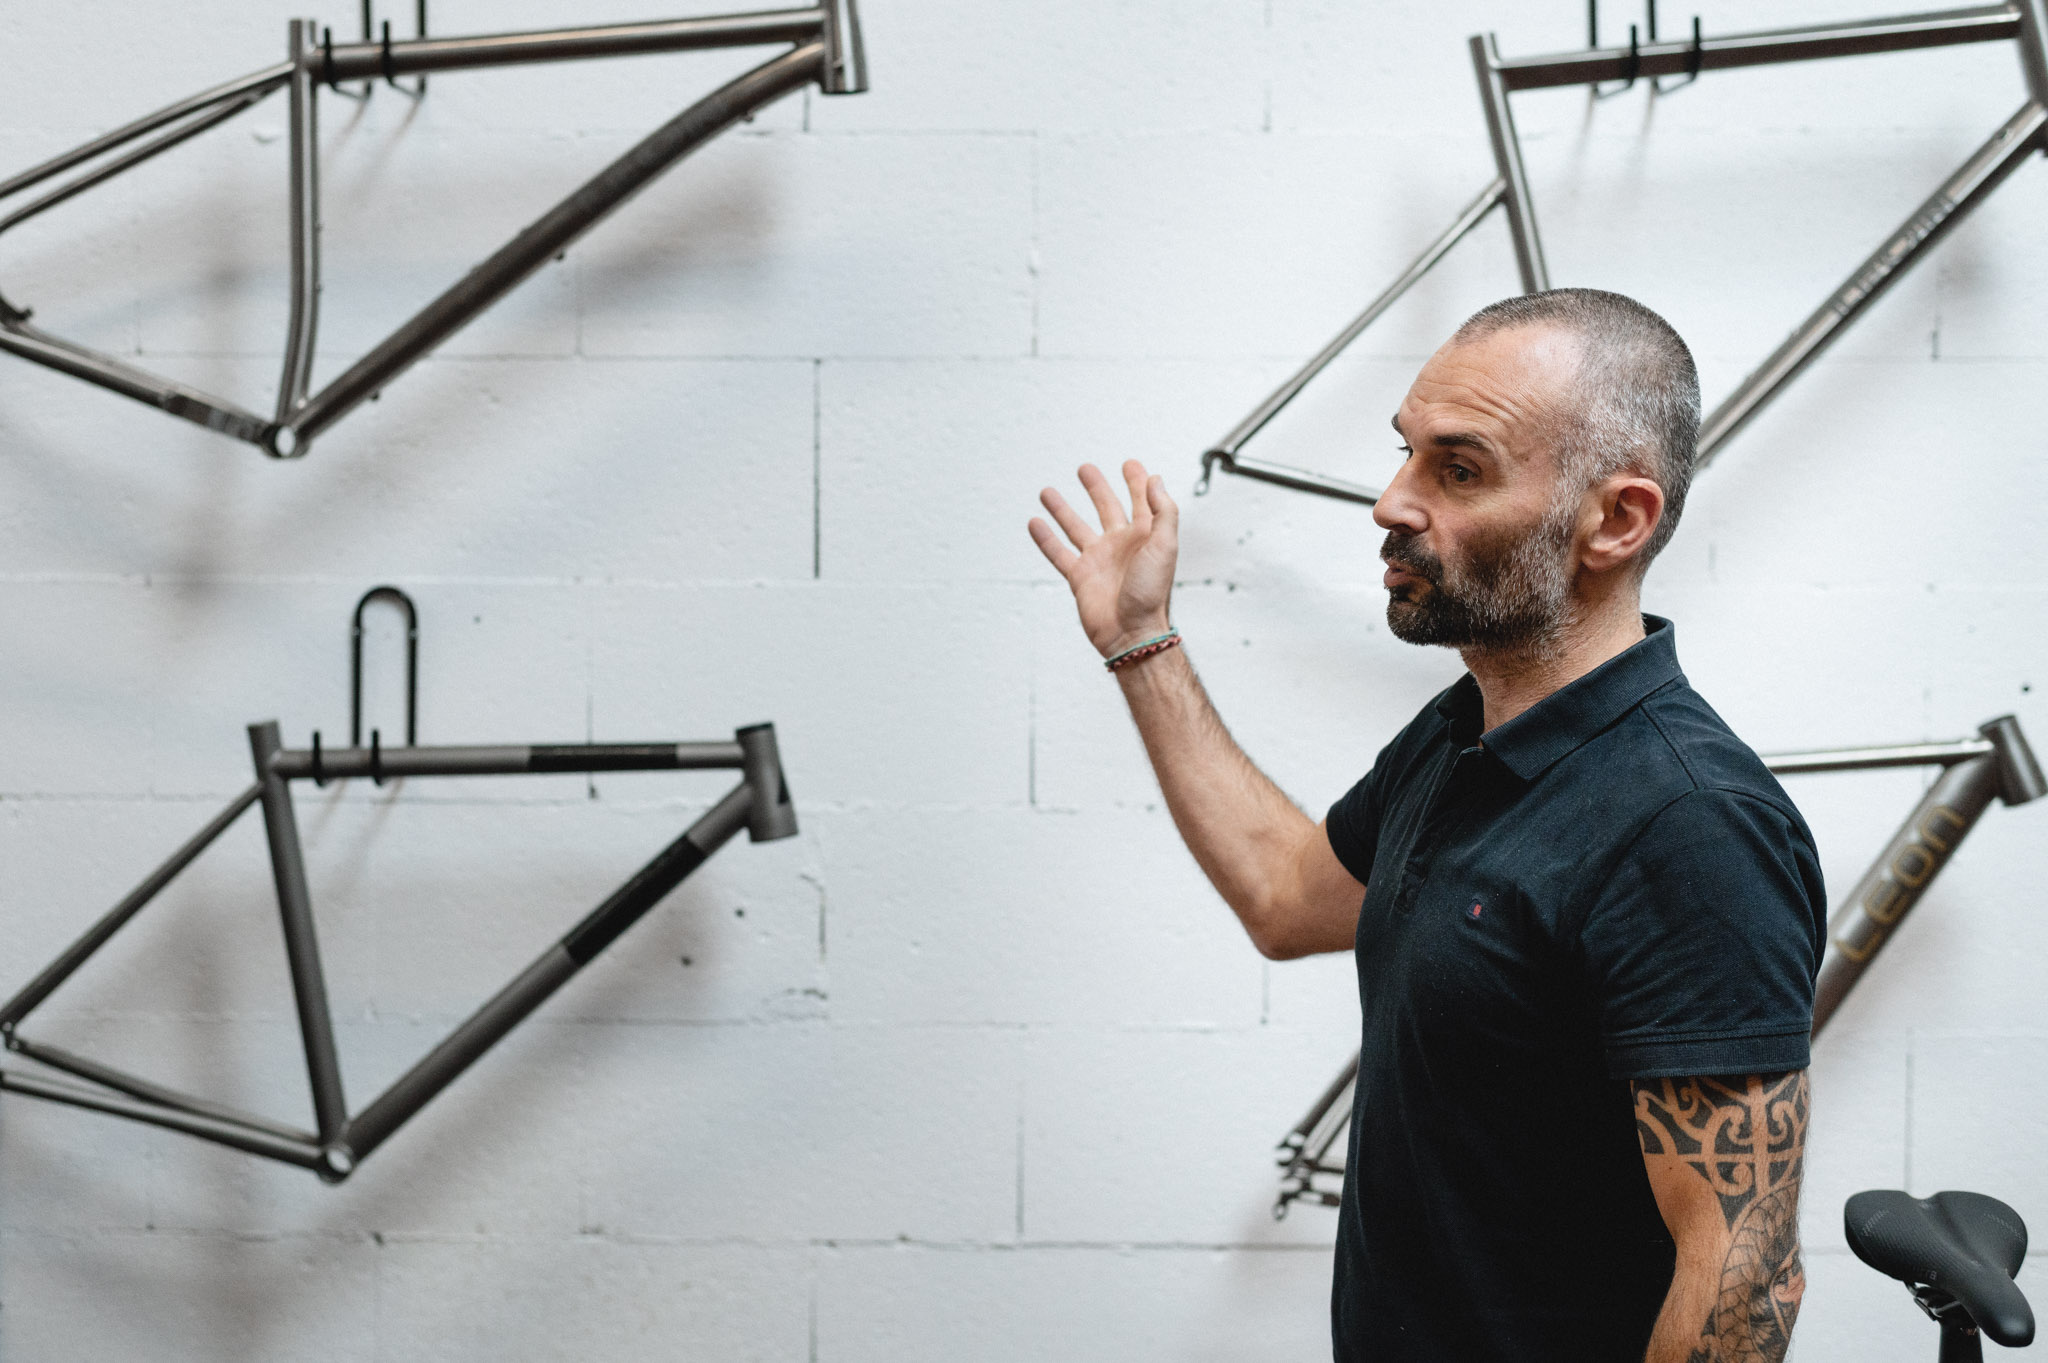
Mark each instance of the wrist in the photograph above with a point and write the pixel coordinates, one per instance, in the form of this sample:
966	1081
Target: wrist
1134	637
1143	651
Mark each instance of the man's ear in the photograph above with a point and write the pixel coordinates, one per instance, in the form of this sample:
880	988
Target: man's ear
1629	507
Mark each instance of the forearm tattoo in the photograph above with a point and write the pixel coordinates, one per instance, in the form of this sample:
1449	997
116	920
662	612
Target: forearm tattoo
1746	1136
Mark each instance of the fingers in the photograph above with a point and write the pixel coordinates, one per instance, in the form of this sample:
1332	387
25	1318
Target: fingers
1069	519
1107	506
1135	479
1161	505
1059	555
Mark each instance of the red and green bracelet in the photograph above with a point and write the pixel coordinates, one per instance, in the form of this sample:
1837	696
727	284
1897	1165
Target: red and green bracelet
1140	652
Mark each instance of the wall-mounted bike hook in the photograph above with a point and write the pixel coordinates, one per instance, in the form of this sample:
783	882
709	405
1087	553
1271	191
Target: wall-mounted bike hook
418	89
385	65
1635	53
404	603
1695	55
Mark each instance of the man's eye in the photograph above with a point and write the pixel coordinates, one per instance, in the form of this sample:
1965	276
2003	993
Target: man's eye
1458	473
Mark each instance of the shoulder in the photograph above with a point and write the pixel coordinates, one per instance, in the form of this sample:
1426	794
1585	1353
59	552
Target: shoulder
1696	816
1701	767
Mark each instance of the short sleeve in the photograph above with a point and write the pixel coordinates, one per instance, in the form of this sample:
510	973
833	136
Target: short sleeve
1702	948
1353	824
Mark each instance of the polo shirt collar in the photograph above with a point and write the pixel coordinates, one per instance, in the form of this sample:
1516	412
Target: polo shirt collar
1533	741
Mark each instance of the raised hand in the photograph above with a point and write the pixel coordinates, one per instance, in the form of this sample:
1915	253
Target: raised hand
1122	575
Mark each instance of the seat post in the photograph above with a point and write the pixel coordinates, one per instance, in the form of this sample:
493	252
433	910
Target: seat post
1960	1342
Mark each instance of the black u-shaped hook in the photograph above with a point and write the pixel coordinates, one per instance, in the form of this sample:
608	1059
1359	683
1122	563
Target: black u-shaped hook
1635	50
1695	58
389	69
385	65
412	665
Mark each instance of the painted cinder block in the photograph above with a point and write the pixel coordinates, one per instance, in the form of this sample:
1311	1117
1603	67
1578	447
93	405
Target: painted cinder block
68	861
1991	294
930	469
98	485
927	702
405	212
1123	67
1963	959
802	1132
1022	917
1840	481
1317	995
521	470
1622	211
1850	1311
1398	67
169	1298
68	1174
1856	1134
74	271
584	1298
1165	1137
206	948
1112	1303
1974	1098
823	245
495	1153
1138	260
69	724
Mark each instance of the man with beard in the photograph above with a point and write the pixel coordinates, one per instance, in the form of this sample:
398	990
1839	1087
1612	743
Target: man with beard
1586	919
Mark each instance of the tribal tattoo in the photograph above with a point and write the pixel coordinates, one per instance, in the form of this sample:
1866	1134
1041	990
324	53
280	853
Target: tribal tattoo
1746	1136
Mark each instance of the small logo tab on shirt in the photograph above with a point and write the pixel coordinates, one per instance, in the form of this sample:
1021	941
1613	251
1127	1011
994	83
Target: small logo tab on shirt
1476	909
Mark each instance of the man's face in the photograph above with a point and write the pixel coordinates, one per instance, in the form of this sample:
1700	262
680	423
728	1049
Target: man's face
1481	538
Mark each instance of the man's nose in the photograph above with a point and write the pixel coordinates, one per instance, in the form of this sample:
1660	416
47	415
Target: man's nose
1398	508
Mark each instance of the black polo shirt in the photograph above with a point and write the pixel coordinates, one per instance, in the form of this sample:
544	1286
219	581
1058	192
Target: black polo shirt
1609	886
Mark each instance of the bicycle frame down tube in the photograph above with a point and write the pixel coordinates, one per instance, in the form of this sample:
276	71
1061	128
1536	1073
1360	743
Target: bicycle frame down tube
1997	765
759	805
826	49
1917	852
1961	193
2025	21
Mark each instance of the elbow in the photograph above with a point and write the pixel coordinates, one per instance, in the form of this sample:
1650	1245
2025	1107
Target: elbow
1277	948
1273	935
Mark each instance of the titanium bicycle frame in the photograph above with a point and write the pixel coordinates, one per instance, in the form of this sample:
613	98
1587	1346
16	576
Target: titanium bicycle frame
759	804
1996	765
2025	21
825	50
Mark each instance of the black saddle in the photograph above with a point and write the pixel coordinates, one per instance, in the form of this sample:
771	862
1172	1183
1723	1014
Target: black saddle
1963	1246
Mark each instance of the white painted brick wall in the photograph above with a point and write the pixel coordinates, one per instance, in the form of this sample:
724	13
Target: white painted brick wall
977	1067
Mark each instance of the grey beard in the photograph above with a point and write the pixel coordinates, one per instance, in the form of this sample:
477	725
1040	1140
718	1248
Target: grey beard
1511	596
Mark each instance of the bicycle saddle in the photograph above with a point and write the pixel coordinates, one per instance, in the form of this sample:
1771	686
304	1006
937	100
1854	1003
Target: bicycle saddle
1965	1245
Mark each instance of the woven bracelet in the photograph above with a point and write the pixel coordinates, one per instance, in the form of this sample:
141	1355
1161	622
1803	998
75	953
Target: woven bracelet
1140	652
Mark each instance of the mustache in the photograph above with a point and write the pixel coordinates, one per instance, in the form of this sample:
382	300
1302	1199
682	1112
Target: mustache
1405	551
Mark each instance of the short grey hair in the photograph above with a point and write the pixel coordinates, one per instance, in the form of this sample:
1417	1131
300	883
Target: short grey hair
1636	406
